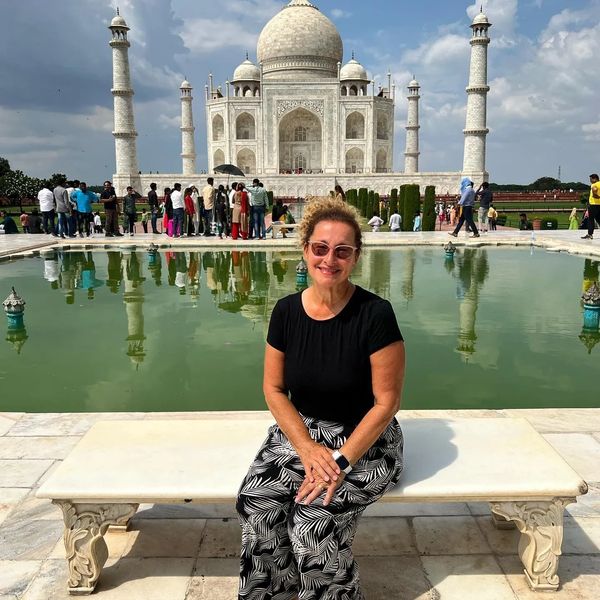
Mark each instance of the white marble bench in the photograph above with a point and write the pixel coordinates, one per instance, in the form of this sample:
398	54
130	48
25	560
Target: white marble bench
120	464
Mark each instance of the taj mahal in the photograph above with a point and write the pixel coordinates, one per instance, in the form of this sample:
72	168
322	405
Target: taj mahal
300	119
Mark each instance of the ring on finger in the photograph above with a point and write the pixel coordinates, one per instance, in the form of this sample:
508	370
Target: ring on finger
322	485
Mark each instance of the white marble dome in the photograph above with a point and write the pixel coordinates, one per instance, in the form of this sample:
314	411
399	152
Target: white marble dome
414	84
247	71
481	19
353	70
299	41
118	21
185	85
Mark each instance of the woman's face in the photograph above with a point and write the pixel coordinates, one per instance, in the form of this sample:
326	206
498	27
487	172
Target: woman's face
330	270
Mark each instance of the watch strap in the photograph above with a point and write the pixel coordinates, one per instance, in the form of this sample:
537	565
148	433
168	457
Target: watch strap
342	462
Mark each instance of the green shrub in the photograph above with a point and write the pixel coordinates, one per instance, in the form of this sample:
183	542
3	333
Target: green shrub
428	222
394	201
270	196
362	201
412	204
377	203
370	204
501	220
385	215
549	224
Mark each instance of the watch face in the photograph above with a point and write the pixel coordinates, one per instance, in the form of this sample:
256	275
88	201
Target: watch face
342	462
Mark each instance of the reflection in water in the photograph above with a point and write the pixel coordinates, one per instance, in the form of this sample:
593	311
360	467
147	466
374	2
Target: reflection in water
408	275
133	297
473	270
590	335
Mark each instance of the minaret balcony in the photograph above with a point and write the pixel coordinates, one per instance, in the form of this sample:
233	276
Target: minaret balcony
122	92
477	89
476	131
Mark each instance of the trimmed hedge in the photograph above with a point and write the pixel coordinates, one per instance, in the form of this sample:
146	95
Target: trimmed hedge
362	201
428	221
412	204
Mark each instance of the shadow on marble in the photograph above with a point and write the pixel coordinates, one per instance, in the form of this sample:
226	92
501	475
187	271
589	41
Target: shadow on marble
164	538
449	535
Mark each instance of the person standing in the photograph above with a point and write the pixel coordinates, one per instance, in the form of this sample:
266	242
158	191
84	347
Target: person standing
24	218
178	204
395	222
63	208
129	209
593	207
71	187
153	204
208	196
221	207
485	196
197	210
573	221
466	202
339	193
259	202
492	217
336	446
375	222
189	211
417	222
46	200
83	198
108	197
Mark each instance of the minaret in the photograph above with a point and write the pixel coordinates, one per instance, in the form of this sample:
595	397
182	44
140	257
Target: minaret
188	147
124	131
411	161
476	126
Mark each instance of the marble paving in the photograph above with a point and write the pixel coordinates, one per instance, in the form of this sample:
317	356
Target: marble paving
417	552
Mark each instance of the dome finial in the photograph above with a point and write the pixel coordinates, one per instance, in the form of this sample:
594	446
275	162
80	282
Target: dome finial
118	11
247	55
352	54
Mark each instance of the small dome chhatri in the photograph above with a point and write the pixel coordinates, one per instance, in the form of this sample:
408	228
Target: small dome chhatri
353	70
185	85
481	18
247	71
300	41
118	21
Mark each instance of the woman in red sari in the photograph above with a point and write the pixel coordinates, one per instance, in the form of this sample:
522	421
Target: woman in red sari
244	213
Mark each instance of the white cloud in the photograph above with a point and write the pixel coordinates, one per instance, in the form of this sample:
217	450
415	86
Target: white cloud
202	36
338	13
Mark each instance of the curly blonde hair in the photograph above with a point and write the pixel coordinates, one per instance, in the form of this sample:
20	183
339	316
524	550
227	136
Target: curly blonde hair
328	209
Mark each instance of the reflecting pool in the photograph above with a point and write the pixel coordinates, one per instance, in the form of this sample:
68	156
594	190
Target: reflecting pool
125	330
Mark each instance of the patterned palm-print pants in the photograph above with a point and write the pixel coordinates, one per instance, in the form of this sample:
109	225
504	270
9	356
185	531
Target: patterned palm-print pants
303	551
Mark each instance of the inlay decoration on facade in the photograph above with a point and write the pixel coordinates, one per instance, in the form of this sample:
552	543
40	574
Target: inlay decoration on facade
285	106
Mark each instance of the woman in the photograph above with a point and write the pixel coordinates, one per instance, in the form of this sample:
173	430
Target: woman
236	214
573	222
333	373
244	212
168	212
190	211
339	193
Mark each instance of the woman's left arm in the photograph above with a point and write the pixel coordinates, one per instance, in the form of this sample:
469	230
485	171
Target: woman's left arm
387	375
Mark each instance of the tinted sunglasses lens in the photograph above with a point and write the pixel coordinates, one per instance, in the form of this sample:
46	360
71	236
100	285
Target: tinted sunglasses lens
344	252
319	249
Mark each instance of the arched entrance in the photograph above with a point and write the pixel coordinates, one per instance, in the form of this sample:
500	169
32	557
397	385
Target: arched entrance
300	143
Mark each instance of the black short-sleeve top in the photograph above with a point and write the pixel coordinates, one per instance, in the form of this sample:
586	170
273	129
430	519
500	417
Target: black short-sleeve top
327	369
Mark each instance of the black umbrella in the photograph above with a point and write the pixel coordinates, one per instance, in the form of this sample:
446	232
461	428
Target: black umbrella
229	170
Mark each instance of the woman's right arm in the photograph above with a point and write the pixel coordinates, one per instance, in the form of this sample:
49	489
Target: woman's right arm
316	458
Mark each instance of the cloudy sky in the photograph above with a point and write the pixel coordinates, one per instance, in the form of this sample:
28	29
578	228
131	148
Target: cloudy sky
55	78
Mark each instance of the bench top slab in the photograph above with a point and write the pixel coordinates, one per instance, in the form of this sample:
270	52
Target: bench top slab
446	460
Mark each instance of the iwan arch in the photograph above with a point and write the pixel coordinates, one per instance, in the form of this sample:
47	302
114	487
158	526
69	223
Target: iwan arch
302	121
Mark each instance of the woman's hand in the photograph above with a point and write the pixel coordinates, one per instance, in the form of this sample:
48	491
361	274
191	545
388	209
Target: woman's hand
311	490
318	462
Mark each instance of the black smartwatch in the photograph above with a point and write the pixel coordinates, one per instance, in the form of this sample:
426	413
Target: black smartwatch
342	462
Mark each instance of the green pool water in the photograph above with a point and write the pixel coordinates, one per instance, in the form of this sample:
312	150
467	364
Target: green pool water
108	331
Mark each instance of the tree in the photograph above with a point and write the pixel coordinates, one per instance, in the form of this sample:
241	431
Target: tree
545	183
429	209
54	180
394	201
362	201
412	204
16	184
4	166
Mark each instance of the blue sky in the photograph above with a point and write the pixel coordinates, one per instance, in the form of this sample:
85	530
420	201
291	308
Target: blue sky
55	78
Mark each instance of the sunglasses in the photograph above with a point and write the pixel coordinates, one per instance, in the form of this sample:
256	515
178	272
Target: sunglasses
342	252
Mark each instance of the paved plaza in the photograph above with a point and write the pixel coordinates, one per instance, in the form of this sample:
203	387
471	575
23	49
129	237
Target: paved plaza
418	552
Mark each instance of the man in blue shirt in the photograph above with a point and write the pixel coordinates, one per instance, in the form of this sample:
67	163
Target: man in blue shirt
466	202
83	198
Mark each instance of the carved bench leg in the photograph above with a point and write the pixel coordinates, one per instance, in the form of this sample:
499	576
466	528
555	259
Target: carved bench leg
541	527
85	526
500	522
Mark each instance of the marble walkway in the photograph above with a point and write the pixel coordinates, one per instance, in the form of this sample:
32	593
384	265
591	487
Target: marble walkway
418	552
